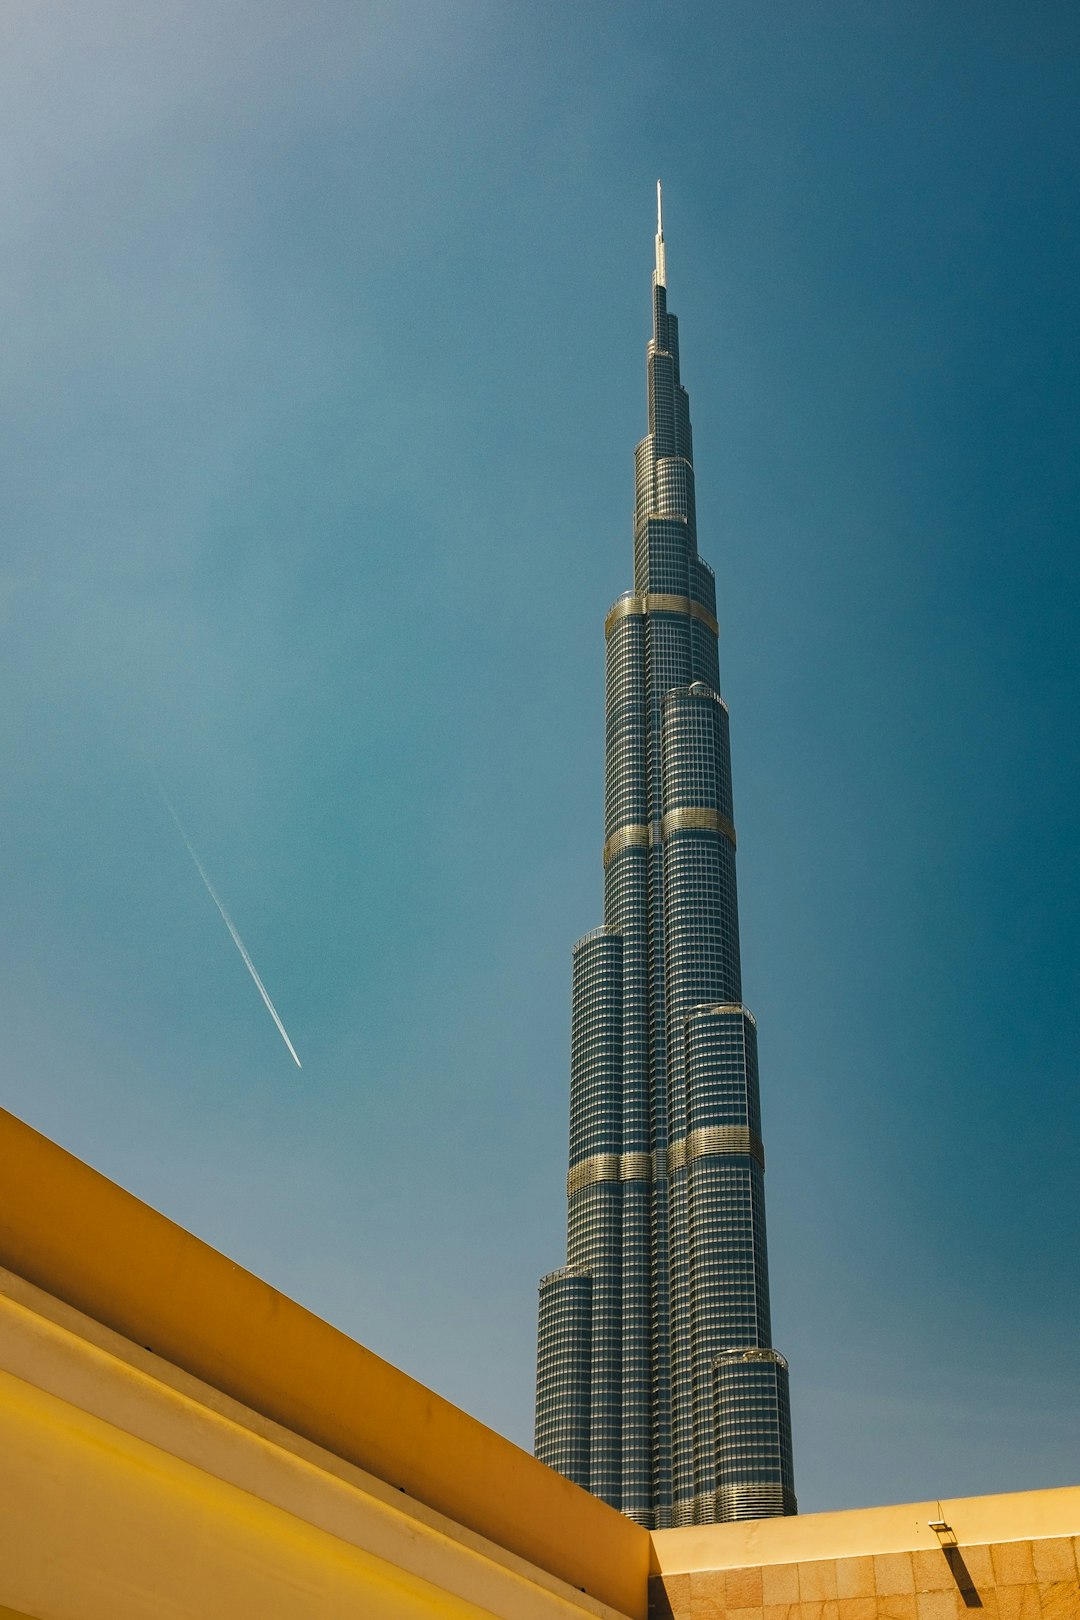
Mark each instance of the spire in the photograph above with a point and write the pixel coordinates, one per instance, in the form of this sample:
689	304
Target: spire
658	1389
661	265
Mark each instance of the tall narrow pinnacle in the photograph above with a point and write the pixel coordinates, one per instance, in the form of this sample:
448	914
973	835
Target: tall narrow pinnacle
661	265
657	1385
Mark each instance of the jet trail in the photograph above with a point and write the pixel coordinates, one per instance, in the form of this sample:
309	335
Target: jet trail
227	920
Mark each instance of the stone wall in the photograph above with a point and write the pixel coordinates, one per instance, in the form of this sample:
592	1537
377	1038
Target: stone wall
960	1562
1009	1580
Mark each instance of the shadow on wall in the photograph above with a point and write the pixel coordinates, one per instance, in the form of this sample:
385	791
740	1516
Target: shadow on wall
962	1576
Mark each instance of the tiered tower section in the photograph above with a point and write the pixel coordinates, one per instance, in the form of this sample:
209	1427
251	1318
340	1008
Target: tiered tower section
657	1387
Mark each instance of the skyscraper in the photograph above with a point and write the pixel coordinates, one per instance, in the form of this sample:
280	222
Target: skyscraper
657	1387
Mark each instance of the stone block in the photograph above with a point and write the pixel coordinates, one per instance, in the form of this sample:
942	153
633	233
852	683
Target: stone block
931	1572
708	1595
896	1606
1013	1563
1019	1602
779	1584
979	1566
858	1608
893	1574
936	1605
1054	1559
1059	1600
855	1577
743	1588
669	1597
817	1580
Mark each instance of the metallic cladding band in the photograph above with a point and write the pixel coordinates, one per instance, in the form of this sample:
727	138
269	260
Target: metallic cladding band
709	1008
750	1502
709	1141
634	836
638	834
659	603
733	1502
699	820
608	1167
753	1352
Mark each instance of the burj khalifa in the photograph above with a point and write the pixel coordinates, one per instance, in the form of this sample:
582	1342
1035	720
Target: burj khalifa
657	1385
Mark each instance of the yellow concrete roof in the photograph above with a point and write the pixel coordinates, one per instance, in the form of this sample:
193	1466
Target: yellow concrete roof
75	1234
131	1488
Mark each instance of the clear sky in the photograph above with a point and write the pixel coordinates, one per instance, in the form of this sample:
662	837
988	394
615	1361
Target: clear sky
323	367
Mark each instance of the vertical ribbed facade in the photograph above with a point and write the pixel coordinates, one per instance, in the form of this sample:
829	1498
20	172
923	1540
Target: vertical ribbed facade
657	1387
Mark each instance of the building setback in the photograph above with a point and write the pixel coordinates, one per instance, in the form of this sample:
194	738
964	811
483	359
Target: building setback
657	1386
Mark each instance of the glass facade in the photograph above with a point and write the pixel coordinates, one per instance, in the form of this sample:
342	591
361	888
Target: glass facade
657	1387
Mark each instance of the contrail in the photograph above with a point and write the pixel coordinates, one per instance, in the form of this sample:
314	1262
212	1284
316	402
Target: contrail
227	920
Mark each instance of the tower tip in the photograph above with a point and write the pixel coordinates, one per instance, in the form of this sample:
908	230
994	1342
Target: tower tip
661	257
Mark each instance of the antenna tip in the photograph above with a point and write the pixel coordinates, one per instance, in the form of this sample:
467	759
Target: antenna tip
661	257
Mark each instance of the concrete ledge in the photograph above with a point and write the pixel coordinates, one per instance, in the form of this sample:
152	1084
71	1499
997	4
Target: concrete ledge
1016	1516
77	1236
129	1488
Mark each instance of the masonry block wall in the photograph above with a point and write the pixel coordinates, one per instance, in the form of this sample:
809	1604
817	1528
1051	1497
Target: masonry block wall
968	1570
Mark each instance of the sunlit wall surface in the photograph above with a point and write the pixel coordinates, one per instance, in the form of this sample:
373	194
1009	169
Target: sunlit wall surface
657	1385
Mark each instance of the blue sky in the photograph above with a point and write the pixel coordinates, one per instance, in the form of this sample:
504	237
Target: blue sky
324	365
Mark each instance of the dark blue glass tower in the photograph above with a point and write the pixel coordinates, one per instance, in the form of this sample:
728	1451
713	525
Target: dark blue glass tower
657	1387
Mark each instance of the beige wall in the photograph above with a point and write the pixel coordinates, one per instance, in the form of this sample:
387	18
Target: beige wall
1012	1557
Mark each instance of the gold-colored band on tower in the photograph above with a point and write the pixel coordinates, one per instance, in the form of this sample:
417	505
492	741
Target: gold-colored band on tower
698	819
690	818
708	1141
654	602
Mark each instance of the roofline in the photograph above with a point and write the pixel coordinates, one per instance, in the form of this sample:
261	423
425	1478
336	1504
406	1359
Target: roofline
70	1231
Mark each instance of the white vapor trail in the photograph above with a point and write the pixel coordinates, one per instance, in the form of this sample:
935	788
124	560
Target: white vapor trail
227	920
